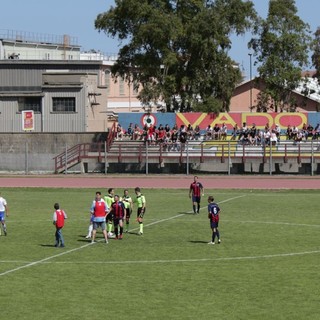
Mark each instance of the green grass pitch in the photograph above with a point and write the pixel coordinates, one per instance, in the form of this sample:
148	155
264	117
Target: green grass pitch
267	266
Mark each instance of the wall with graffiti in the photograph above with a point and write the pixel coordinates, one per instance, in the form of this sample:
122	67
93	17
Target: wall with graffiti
230	119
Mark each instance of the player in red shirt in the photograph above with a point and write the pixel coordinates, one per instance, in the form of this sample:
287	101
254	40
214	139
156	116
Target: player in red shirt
99	210
58	220
195	191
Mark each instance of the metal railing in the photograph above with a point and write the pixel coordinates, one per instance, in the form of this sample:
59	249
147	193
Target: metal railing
191	152
27	36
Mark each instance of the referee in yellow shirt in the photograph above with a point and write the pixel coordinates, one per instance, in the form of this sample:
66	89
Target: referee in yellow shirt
141	204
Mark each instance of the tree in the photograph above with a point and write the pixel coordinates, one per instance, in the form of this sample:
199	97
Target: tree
178	50
316	52
281	49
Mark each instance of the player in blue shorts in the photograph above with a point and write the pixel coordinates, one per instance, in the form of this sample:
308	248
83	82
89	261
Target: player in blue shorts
195	191
213	215
4	212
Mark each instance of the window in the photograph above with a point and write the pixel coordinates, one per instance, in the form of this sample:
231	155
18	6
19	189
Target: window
64	104
30	103
121	87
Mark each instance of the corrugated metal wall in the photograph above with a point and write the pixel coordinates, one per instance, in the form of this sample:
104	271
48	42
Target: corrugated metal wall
16	76
23	79
65	122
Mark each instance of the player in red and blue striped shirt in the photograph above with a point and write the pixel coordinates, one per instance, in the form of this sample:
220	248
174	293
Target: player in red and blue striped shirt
213	215
118	211
195	192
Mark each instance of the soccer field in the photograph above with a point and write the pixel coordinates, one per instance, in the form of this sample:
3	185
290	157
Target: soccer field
265	268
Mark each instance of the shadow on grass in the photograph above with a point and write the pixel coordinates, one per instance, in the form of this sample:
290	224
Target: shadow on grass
134	233
85	240
198	241
48	245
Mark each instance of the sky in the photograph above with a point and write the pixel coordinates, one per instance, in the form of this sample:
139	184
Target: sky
76	19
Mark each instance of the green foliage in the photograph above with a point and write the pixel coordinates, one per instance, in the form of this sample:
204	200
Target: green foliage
178	50
268	259
281	47
316	52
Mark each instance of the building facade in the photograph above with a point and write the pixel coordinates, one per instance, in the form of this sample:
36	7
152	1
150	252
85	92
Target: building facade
73	91
67	91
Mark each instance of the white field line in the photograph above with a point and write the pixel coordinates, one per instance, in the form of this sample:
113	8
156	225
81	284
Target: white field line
87	219
269	256
88	244
278	223
46	260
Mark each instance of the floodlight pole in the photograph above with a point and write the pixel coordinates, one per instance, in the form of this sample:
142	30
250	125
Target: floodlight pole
250	58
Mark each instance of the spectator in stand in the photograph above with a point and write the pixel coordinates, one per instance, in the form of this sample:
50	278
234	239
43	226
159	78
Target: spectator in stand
167	128
119	132
216	132
298	137
235	132
289	132
259	138
223	132
183	136
136	133
208	132
174	139
197	132
175	127
167	144
129	132
295	131
309	131
304	131
316	132
277	130
243	132
190	132
155	134
266	137
252	134
151	134
267	127
145	132
161	134
273	137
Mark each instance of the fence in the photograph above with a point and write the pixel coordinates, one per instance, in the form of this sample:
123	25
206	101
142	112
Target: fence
214	156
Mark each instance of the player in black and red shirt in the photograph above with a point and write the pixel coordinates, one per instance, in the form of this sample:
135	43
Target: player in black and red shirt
213	215
118	211
195	192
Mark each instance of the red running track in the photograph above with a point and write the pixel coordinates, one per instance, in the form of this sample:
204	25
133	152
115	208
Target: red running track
161	181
